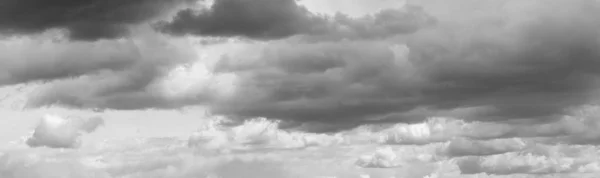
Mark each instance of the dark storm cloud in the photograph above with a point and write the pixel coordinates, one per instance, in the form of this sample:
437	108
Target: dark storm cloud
274	19
505	69
84	19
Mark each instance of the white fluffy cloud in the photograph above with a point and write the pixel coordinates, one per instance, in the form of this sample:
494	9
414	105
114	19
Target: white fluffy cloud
253	134
382	158
58	132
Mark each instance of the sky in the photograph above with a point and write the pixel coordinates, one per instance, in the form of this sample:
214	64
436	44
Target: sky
75	73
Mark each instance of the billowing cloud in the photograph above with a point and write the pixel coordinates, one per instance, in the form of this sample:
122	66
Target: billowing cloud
84	20
57	132
535	61
493	69
273	19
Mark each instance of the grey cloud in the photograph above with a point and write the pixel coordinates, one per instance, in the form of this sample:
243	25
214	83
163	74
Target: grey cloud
535	69
58	60
274	19
84	19
508	65
129	88
94	91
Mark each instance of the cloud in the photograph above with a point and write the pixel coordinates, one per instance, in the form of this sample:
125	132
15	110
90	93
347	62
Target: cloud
513	163
534	65
172	157
534	61
464	147
258	133
57	132
275	19
41	59
84	20
579	127
451	137
38	163
383	158
431	131
139	64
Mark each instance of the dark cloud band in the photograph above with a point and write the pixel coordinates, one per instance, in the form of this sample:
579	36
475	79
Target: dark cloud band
274	19
485	71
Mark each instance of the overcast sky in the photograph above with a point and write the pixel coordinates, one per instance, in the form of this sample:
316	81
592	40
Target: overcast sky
337	63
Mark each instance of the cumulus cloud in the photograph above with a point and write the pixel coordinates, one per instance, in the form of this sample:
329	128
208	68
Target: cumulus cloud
258	133
383	158
57	132
84	20
273	19
431	131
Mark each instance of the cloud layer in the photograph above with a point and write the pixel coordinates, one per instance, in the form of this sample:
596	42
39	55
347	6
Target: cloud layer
491	61
258	149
